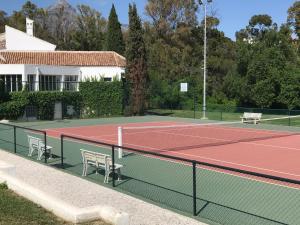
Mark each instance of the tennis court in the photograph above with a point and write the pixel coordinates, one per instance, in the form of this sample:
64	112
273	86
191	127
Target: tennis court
162	170
275	153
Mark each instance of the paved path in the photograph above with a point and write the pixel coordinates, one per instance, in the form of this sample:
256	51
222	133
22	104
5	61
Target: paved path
82	193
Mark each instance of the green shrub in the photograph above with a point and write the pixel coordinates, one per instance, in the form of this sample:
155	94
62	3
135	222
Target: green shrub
102	98
14	108
95	98
4	96
44	101
3	186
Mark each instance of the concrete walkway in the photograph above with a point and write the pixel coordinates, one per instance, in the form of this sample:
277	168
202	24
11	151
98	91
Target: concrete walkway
82	193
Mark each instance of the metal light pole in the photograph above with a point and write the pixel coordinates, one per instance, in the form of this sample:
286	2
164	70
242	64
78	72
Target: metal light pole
204	3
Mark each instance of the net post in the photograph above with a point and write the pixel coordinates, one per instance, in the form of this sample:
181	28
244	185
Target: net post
45	142
62	150
15	140
113	165
194	105
120	142
194	190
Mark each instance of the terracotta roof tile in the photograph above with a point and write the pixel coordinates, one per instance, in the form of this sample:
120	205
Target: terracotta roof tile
63	58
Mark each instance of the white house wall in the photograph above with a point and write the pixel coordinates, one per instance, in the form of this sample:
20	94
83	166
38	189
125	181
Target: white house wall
9	69
18	40
107	72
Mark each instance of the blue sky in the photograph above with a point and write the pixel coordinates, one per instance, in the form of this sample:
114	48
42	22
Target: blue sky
234	14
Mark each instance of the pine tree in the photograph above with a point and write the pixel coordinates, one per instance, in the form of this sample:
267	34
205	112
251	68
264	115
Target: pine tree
136	71
114	37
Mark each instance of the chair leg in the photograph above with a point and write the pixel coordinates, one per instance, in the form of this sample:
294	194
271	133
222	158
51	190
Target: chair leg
39	155
119	174
106	177
84	169
30	151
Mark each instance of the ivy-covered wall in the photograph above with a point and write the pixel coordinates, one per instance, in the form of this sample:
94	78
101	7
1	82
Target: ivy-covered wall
43	101
94	99
100	98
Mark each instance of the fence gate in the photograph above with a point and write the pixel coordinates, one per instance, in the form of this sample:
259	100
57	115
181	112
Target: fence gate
58	111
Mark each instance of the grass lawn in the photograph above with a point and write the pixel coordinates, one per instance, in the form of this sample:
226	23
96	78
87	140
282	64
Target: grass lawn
15	210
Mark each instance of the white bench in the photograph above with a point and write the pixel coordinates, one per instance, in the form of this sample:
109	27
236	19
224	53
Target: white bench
251	117
101	161
36	144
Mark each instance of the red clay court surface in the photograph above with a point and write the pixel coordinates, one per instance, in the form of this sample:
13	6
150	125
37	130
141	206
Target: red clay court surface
262	151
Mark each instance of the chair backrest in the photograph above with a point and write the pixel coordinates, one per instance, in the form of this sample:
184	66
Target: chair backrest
246	115
252	115
258	115
96	157
33	141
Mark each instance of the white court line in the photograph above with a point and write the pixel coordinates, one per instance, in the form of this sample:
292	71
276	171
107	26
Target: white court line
201	166
242	142
78	135
219	139
217	160
110	124
252	130
220	126
239	141
191	155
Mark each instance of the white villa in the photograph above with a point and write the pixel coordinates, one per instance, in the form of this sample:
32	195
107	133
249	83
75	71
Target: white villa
27	60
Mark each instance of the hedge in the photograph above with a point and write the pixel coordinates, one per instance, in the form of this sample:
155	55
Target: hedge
101	98
44	101
95	98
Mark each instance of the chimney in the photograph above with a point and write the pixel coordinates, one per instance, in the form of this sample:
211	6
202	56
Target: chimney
29	26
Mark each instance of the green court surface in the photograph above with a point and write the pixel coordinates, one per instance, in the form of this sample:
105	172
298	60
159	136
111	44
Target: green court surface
222	197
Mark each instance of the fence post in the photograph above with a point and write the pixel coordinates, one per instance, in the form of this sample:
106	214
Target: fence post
15	140
221	115
113	165
62	150
289	117
45	142
194	190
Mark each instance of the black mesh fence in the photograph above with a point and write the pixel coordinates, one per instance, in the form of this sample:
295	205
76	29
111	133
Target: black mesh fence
152	177
7	137
228	197
221	194
230	113
224	195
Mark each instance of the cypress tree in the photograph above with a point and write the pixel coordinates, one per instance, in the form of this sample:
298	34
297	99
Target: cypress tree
136	70
114	37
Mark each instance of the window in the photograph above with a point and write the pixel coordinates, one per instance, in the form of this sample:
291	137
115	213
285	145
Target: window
31	82
108	79
71	83
49	83
12	82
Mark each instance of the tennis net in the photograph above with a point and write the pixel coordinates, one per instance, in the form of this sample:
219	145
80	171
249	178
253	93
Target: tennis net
183	136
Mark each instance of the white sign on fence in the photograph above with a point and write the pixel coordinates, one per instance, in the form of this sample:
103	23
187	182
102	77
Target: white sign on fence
184	87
